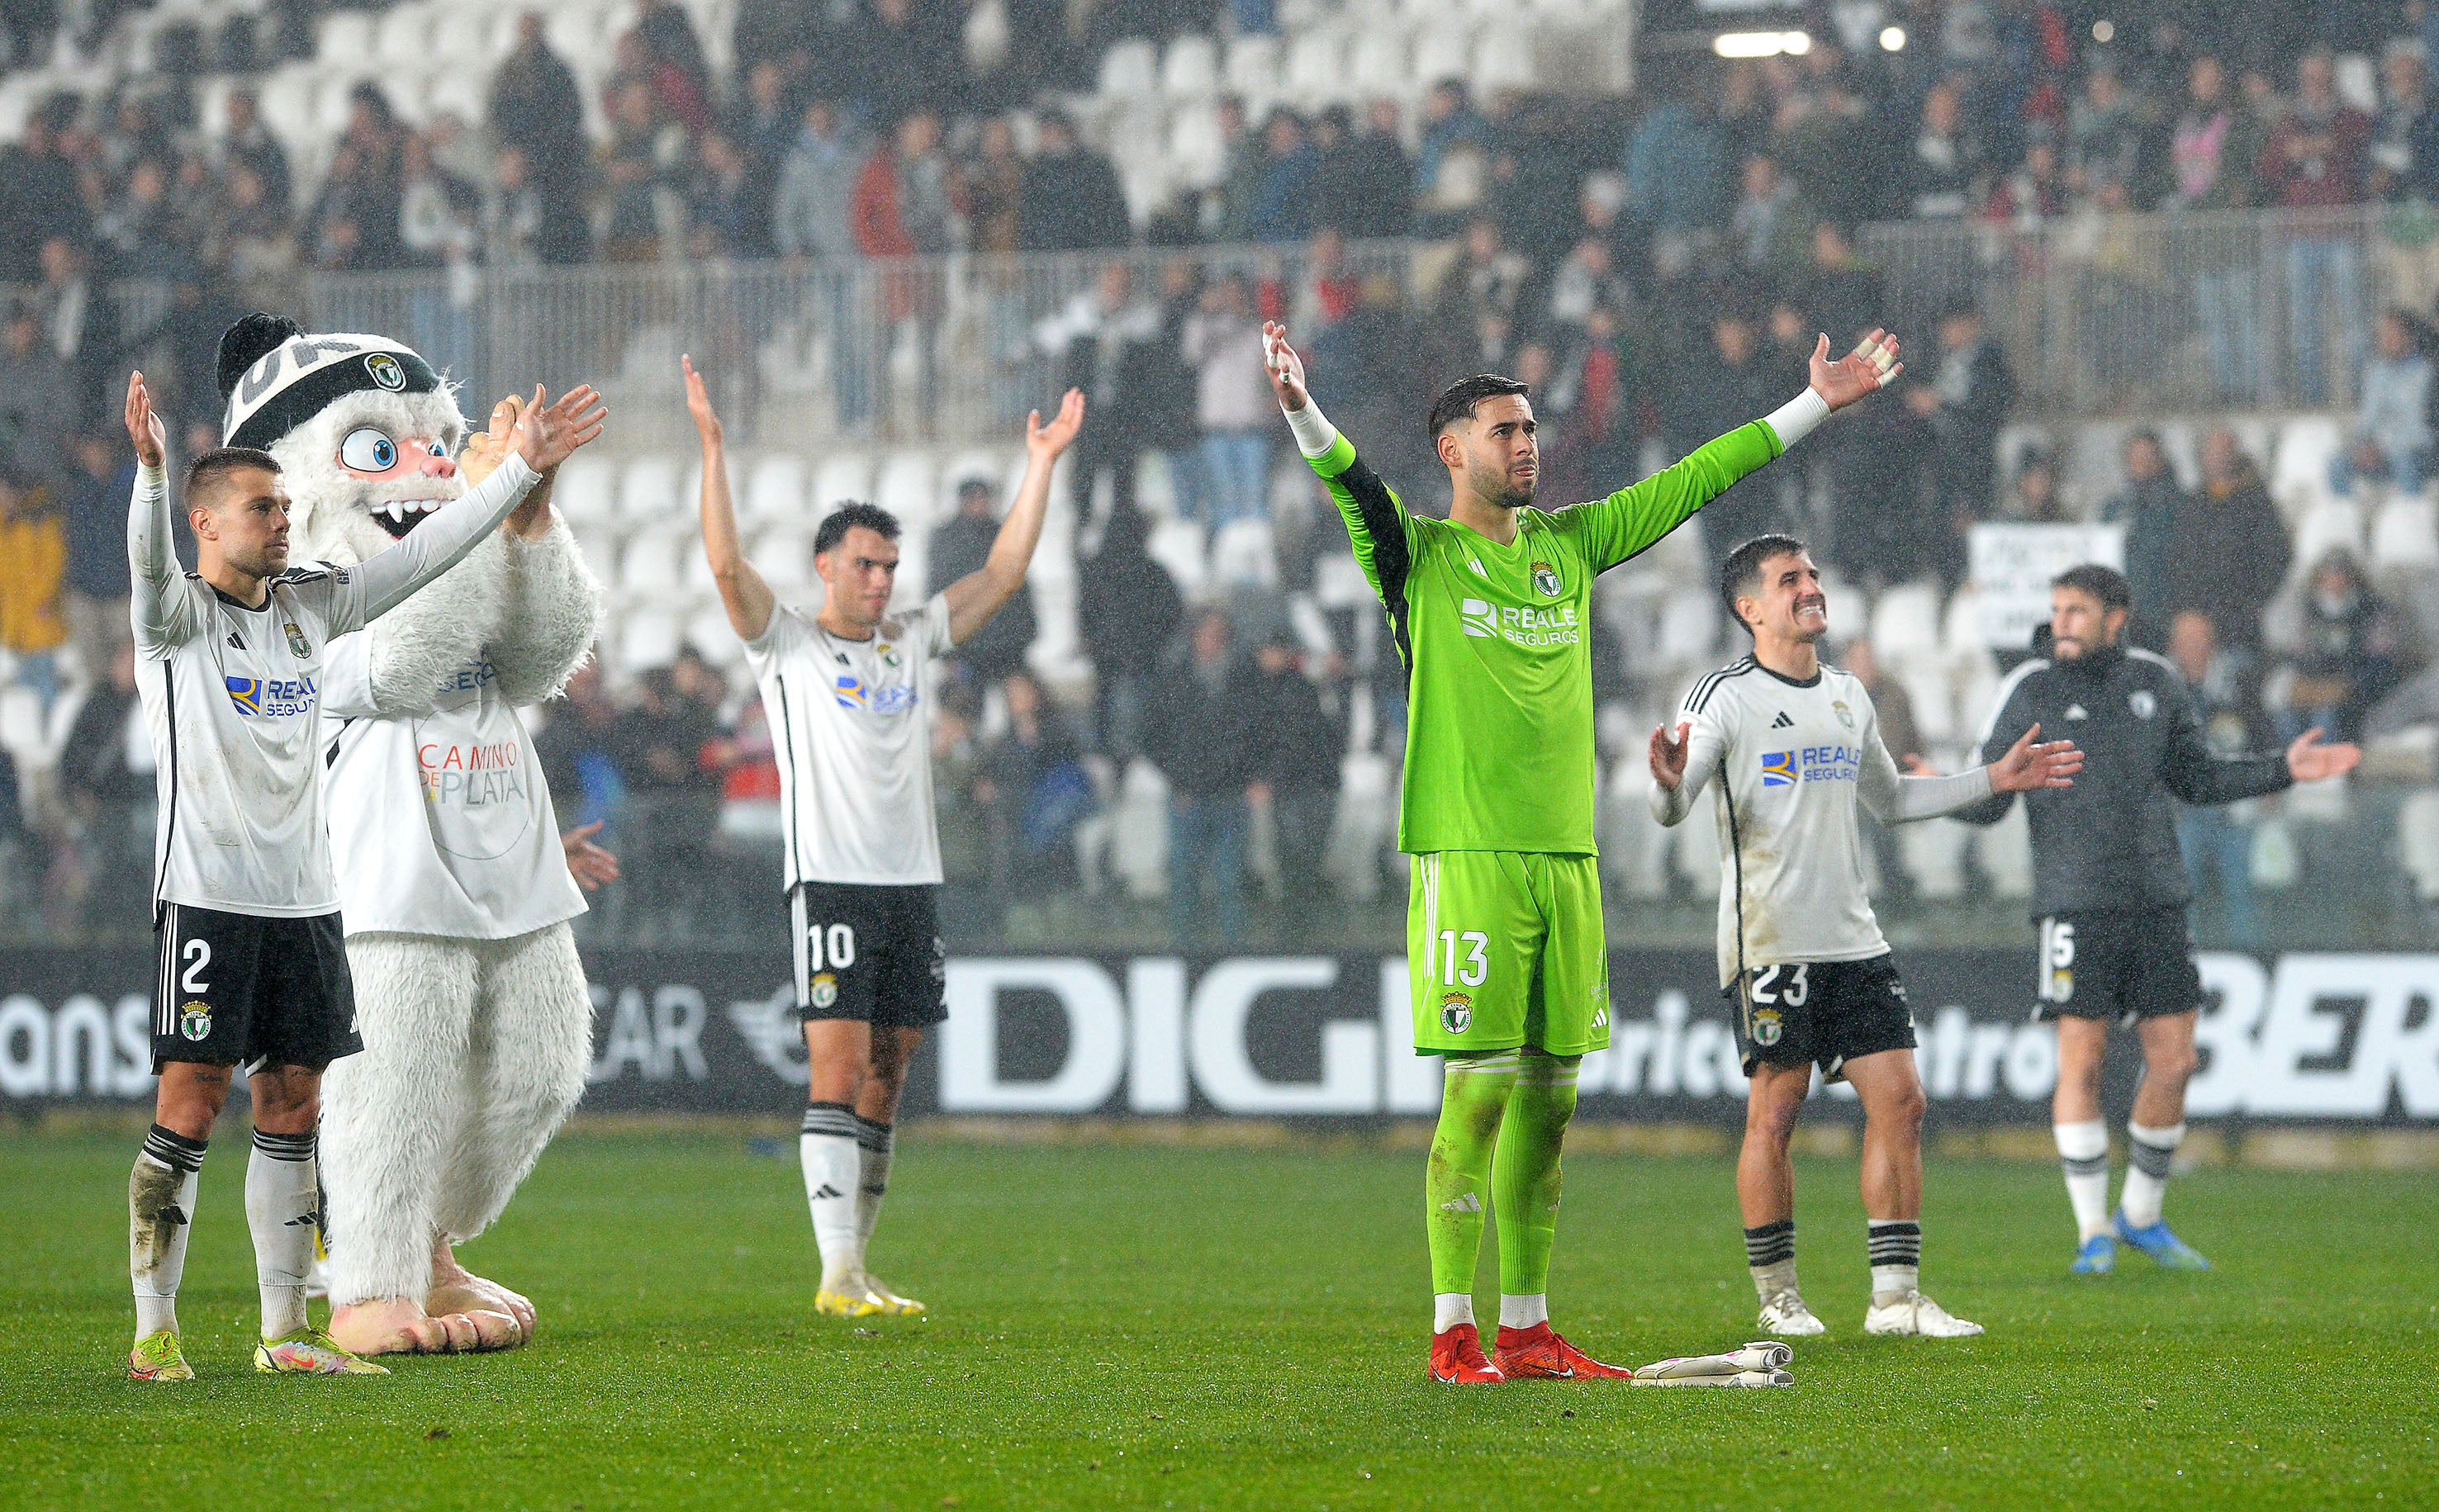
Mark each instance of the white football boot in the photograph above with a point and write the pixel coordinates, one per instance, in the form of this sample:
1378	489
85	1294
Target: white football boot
1786	1316
1914	1315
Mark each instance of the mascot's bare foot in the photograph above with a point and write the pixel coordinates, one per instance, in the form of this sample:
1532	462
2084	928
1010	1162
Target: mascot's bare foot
455	1289
395	1326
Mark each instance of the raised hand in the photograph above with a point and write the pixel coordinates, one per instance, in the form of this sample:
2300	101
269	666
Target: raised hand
1286	369
2309	761
144	428
2027	766
1668	752
1870	367
483	450
592	868
548	434
706	420
1044	442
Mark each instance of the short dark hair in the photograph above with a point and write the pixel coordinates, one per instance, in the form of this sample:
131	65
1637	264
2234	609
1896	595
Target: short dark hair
206	471
1741	572
1457	400
847	517
2107	584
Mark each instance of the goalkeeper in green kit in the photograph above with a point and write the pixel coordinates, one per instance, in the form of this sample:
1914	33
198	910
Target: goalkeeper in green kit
1492	610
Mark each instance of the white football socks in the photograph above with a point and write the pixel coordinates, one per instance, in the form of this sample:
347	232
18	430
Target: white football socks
2151	1156
1449	1308
160	1215
833	1178
2083	1152
284	1208
875	1142
1524	1312
1895	1246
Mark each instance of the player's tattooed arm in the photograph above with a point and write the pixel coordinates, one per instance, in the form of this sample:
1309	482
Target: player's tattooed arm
976	598
744	593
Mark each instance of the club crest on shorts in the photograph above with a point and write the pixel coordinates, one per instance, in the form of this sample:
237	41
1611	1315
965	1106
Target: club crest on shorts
1545	578
823	991
195	1022
1457	1012
383	370
1767	1026
296	641
2061	984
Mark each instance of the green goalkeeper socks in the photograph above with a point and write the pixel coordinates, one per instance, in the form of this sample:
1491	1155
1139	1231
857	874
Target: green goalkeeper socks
1456	1186
1524	1176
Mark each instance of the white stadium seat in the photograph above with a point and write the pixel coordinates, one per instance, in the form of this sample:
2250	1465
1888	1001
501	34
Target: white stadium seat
1379	66
344	40
405	36
1129	70
774	490
1443	51
1905	625
649	638
1196	147
583	492
2329	524
783	555
2406	534
650	567
1253	67
1191	69
907	487
840	477
649	492
1316	67
2300	471
1506	59
2418	843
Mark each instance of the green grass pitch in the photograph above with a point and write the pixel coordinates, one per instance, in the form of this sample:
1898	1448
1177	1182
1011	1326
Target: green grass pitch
1136	1326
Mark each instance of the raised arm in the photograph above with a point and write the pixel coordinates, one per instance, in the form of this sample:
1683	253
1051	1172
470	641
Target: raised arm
1898	798
742	592
2196	774
1377	524
1635	517
162	612
546	435
976	596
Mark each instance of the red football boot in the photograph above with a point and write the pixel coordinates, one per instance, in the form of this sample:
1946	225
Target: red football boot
1539	1353
1456	1357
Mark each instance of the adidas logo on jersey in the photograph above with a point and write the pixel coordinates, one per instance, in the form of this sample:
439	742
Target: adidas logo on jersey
1782	722
237	642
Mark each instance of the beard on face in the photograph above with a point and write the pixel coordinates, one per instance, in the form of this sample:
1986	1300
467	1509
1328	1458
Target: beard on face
1495	484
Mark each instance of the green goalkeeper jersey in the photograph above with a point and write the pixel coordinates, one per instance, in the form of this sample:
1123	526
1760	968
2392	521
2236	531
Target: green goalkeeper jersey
1496	642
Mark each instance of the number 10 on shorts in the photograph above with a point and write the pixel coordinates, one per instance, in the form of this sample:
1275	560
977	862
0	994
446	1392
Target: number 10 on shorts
1476	967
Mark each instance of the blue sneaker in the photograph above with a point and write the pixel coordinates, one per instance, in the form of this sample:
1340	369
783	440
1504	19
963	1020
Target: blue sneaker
2156	1241
2097	1256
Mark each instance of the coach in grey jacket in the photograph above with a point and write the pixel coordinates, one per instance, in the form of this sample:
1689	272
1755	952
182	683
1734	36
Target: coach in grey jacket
2110	888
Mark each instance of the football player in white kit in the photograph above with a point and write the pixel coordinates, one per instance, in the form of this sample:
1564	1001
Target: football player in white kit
1794	744
252	967
847	692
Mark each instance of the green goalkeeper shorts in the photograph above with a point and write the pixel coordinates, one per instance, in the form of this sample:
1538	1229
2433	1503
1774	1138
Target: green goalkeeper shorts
1504	948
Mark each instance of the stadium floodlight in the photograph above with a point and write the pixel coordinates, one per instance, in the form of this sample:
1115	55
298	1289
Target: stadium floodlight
1893	38
1761	44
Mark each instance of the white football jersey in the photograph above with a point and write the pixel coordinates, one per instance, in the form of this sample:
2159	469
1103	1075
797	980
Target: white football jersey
1792	759
233	707
440	824
232	698
852	729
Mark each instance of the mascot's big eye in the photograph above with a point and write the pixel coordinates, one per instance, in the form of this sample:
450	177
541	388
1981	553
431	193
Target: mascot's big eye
367	451
439	450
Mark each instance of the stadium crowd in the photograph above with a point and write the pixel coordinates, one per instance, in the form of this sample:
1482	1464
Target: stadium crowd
1655	265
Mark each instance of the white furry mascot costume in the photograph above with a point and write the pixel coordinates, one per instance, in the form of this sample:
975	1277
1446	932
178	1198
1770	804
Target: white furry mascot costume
455	891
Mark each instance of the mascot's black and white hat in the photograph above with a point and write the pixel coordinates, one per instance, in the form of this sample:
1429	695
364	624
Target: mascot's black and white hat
275	377
340	413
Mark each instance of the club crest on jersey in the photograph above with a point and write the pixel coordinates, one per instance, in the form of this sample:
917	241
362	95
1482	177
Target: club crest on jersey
2143	703
1768	1027
823	991
1545	578
1457	1012
297	640
888	654
1778	769
195	1022
1846	715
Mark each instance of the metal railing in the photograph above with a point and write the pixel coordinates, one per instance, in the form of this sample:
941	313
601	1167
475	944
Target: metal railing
918	349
